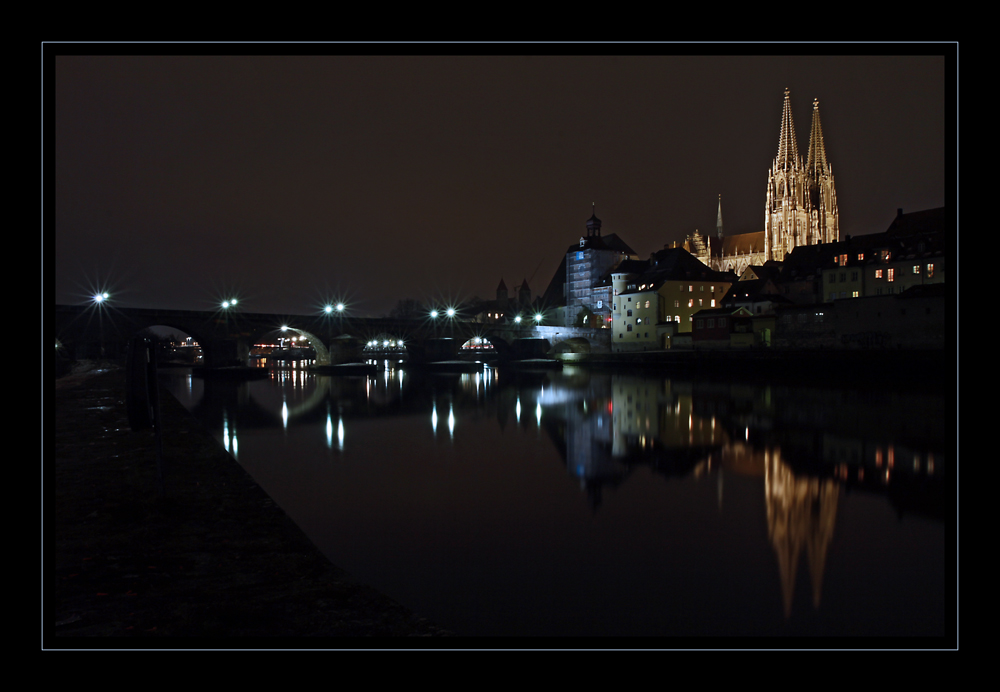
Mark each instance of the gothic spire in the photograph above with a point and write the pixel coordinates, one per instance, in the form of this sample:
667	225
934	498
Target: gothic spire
788	149
718	221
816	162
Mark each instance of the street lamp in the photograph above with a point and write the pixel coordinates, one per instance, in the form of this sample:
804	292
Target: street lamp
538	317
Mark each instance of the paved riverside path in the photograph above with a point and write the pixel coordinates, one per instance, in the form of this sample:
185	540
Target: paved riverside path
212	557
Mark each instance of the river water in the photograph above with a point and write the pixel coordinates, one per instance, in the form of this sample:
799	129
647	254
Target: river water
600	503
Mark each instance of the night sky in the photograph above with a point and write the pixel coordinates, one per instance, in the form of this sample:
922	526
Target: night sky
289	181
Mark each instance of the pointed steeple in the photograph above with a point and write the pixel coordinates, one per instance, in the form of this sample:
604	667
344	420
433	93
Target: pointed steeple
816	161
718	221
788	148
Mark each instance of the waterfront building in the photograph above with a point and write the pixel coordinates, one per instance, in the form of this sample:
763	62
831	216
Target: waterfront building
651	305
911	252
583	277
722	327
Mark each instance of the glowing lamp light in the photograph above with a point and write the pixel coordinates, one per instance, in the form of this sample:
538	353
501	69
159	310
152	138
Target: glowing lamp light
328	309
340	307
451	312
284	328
434	314
538	317
518	319
100	297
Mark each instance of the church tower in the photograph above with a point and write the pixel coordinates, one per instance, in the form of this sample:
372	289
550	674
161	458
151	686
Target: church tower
825	220
801	207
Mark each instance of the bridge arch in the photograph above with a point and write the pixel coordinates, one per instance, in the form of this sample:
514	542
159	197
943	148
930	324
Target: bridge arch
315	342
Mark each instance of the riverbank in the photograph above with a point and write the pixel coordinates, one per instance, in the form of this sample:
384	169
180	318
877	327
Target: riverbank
201	559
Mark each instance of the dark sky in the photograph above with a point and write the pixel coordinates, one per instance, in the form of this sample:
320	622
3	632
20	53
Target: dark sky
291	180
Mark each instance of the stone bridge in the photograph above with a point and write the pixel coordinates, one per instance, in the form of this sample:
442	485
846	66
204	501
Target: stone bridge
226	337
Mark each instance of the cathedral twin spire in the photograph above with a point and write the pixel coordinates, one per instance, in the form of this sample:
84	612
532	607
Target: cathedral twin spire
801	204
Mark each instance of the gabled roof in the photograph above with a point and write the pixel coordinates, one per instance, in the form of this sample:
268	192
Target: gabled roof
709	312
610	242
742	244
677	264
553	295
926	221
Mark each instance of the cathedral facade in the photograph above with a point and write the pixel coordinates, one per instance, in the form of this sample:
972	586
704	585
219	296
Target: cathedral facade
800	206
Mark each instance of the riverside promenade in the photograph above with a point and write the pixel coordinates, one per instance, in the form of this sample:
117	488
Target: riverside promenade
203	559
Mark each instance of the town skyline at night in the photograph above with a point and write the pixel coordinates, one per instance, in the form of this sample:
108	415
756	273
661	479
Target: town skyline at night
293	181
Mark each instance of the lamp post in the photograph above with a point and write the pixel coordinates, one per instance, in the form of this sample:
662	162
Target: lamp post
99	300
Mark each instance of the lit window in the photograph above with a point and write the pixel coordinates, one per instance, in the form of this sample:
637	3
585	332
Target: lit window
890	272
854	294
878	273
916	268
843	260
647	303
713	302
600	303
930	271
691	303
861	256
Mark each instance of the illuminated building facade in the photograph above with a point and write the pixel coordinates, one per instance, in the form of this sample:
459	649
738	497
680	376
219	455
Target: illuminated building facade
800	207
673	286
587	263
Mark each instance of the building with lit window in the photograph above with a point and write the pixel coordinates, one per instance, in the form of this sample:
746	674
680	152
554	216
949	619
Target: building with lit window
650	305
910	253
580	284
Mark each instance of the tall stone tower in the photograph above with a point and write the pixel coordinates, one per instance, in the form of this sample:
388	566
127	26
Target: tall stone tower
801	206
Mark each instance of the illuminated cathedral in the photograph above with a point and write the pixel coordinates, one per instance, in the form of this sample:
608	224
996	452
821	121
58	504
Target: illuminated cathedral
800	209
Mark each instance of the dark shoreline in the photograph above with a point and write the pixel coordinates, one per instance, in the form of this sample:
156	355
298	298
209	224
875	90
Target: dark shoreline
211	562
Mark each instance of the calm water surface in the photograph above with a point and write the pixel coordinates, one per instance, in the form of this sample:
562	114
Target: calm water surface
593	503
